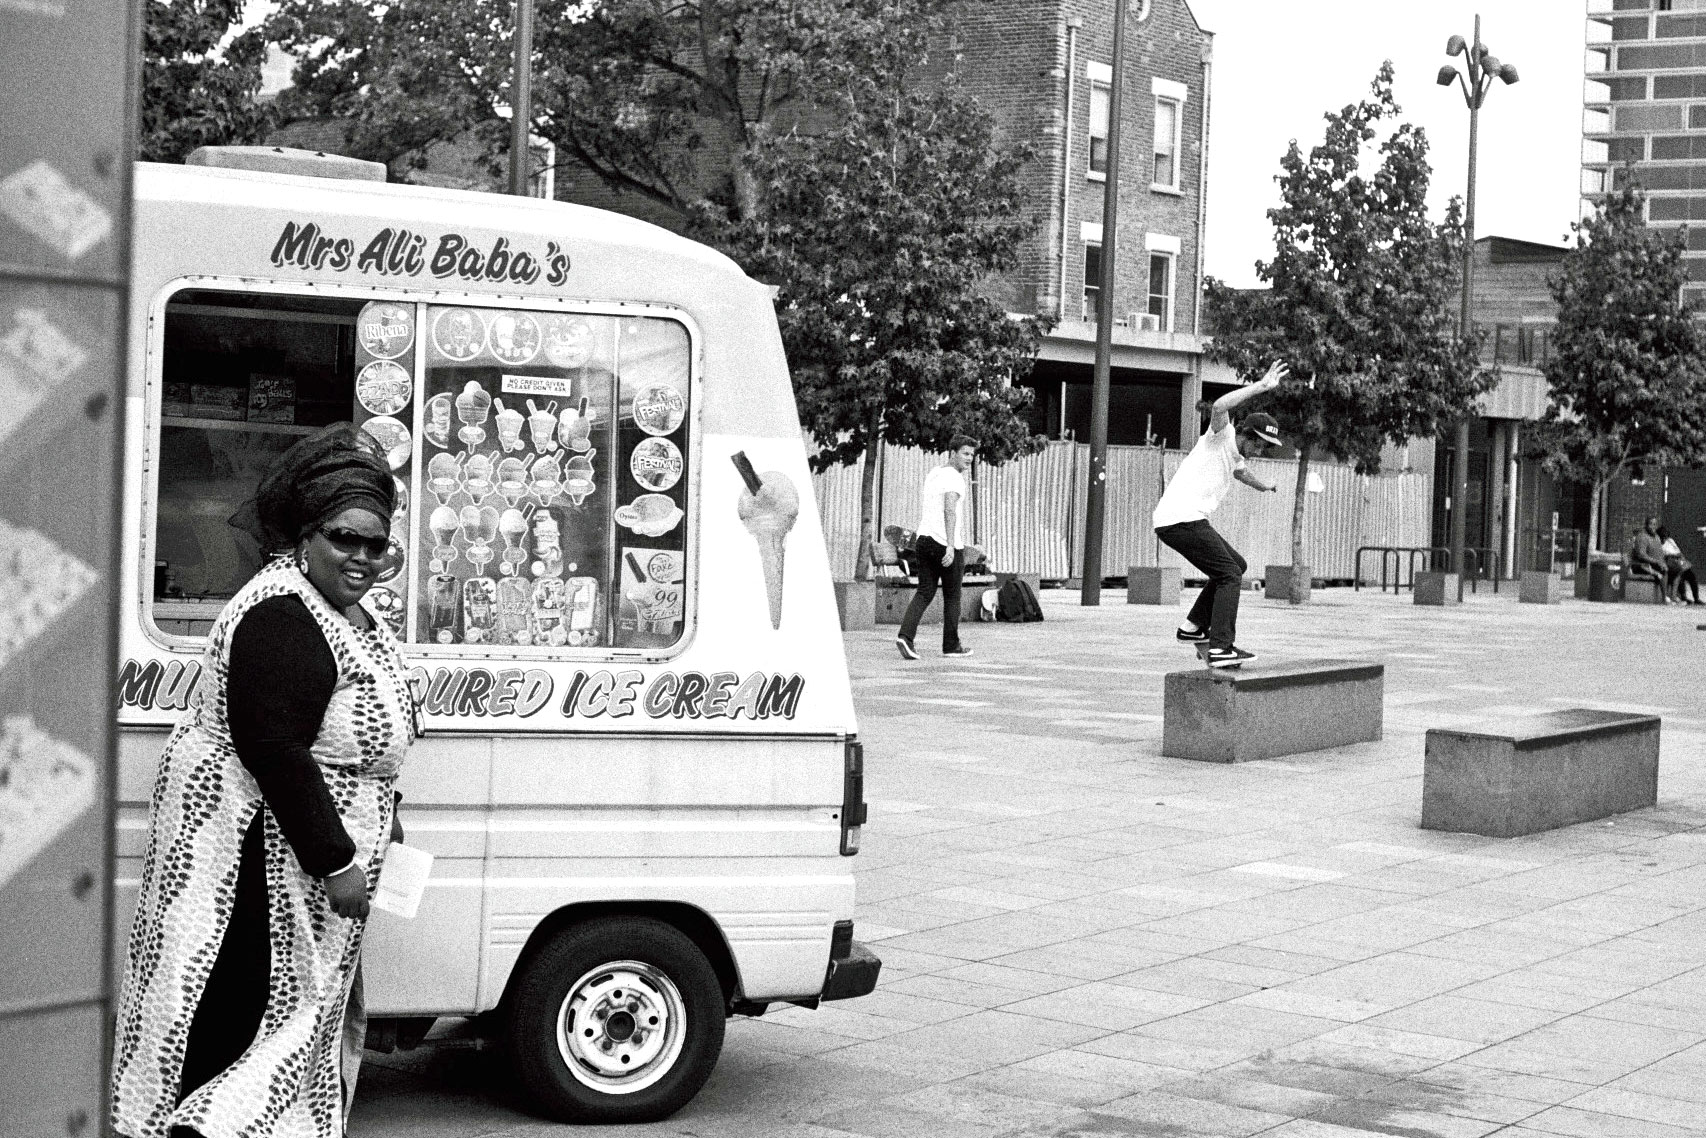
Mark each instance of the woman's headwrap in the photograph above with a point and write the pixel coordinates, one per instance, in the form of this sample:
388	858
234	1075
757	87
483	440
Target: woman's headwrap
326	473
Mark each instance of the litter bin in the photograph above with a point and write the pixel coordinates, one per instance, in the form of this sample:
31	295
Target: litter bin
1605	580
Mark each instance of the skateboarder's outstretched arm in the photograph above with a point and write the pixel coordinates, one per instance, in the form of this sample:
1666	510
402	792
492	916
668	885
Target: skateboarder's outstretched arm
1223	406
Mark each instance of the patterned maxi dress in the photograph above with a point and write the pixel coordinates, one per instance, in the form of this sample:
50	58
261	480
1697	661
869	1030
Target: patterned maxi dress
288	1083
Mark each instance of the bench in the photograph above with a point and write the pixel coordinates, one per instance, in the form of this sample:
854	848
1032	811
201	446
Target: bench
1277	709
1509	777
895	593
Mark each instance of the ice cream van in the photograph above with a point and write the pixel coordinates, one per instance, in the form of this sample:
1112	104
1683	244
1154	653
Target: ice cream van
639	774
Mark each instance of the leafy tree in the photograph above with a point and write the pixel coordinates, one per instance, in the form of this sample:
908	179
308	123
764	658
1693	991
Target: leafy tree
801	137
198	89
1627	380
881	230
1359	300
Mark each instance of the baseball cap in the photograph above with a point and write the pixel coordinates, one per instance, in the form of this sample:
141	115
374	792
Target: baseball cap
1264	427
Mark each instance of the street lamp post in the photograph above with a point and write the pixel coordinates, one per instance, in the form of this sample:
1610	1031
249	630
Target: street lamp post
1095	500
1481	67
521	102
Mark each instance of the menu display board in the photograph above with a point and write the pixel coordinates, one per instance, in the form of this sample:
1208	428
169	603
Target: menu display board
534	437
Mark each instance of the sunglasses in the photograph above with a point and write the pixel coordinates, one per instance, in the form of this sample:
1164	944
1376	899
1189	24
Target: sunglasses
349	542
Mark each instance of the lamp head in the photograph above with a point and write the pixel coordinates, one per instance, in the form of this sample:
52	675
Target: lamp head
1455	45
1447	76
1491	65
1508	73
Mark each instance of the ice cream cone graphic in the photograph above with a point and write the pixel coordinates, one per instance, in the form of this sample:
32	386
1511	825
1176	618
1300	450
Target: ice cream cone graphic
768	508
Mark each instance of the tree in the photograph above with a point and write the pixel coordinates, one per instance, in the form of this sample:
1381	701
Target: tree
1358	303
198	89
1627	380
804	138
881	230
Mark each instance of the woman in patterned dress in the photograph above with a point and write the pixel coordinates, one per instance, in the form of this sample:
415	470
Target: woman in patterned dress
269	819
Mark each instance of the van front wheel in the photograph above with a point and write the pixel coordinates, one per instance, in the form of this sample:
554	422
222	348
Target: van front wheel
616	1020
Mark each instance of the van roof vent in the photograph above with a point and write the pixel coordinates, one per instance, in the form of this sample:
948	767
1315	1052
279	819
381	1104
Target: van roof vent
287	160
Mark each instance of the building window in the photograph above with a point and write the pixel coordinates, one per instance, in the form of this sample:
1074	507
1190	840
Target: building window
1092	279
1099	93
1166	172
1161	290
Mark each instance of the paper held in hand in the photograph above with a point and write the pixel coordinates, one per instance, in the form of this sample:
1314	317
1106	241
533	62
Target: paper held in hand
402	880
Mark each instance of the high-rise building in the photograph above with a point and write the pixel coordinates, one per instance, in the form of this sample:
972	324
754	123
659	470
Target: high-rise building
1644	113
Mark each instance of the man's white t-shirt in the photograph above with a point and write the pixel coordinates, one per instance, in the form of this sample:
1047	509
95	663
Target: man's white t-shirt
938	483
1202	481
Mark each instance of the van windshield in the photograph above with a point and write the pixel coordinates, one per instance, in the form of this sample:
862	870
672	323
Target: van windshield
541	458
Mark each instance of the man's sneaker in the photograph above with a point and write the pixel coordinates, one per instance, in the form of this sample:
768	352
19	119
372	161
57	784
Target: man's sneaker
1186	636
1228	657
906	648
956	652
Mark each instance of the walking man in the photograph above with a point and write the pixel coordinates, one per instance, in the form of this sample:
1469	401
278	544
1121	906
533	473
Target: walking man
941	549
1181	518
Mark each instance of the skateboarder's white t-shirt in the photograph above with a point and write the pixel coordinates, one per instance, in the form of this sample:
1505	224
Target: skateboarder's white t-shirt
1202	481
939	483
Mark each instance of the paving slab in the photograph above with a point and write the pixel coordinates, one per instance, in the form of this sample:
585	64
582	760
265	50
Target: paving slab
1081	936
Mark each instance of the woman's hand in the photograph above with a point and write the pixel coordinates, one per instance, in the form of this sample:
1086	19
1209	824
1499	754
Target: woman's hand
348	892
396	828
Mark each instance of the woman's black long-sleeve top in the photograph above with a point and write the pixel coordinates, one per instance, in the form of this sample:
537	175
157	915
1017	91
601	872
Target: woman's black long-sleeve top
281	678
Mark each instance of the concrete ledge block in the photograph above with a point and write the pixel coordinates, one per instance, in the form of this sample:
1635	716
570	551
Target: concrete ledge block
1643	590
1281	709
857	603
1435	588
1505	778
1277	582
1151	585
1539	588
895	593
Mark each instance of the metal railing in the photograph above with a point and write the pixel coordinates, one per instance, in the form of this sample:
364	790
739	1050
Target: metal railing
1394	556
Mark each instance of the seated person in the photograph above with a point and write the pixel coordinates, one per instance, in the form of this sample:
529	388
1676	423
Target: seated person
1647	556
1679	571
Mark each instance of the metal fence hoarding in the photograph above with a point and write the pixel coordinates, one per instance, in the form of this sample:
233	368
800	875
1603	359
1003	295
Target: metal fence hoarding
1027	514
67	69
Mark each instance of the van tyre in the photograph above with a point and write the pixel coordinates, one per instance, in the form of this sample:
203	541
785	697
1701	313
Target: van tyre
615	1020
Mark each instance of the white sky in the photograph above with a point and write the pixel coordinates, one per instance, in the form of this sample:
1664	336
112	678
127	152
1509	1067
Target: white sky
1278	67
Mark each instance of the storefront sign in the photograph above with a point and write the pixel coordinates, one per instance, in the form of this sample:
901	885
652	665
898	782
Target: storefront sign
396	252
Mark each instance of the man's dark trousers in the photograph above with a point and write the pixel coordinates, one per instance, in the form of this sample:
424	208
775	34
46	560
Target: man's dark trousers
932	572
1216	608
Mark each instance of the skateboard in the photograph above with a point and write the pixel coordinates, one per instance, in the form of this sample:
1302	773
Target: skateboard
1202	654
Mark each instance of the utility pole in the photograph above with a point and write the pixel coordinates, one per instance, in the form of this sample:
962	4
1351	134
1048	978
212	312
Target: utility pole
1095	501
521	101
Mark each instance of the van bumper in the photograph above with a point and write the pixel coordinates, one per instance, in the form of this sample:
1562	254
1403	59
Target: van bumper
853	968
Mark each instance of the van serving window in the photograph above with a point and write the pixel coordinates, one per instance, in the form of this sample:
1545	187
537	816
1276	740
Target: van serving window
541	458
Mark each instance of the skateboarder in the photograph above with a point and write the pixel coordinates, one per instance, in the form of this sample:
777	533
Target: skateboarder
1181	518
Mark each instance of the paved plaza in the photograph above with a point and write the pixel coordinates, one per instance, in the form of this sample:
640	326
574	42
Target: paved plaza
1083	938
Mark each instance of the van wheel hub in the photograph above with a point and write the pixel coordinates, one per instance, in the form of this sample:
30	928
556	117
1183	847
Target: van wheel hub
621	1027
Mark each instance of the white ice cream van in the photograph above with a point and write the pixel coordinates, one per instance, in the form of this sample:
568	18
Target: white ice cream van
639	774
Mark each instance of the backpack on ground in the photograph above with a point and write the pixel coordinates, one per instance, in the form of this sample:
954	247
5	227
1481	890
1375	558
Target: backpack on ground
1016	603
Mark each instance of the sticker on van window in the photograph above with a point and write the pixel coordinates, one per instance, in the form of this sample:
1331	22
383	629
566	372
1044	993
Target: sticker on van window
568	341
652	515
383	387
386	330
392	437
513	338
659	408
656	464
458	334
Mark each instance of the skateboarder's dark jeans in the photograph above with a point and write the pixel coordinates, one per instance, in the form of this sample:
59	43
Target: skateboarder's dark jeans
932	572
1217	605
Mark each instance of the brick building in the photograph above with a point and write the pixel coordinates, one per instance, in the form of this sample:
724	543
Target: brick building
1043	68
